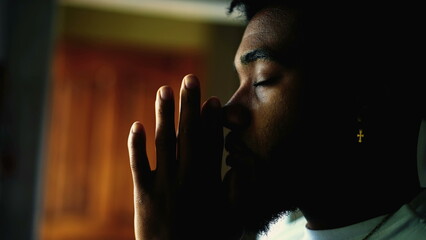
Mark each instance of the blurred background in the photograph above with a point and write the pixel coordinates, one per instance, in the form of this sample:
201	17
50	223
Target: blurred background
74	76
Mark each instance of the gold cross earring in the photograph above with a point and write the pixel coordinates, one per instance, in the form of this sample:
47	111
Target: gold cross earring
360	134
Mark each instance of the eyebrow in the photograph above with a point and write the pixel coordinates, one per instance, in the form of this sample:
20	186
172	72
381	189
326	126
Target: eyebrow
257	54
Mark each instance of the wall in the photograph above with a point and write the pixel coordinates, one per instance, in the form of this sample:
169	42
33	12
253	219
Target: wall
107	66
217	42
26	39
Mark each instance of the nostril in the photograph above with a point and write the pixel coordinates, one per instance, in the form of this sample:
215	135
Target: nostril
235	117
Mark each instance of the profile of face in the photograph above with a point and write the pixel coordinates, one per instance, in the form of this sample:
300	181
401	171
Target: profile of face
264	118
293	135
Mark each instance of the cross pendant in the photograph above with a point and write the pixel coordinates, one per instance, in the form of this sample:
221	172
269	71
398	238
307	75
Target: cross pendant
360	135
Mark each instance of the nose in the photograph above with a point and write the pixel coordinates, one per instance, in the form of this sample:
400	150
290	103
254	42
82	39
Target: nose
236	115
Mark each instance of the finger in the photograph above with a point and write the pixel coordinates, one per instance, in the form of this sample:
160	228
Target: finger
212	139
165	135
189	125
139	164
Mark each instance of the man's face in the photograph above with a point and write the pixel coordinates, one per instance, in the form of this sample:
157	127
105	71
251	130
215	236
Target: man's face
263	116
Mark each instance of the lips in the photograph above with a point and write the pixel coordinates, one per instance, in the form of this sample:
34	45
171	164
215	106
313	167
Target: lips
233	144
239	154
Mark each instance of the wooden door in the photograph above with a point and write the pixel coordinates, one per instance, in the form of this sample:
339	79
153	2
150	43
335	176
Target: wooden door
97	92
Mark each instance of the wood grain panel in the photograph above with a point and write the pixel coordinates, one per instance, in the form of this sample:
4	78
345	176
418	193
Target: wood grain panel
98	91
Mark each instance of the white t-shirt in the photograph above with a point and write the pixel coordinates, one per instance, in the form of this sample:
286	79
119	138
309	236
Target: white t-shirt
408	223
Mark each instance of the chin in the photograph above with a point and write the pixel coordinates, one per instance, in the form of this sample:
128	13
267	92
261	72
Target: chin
256	204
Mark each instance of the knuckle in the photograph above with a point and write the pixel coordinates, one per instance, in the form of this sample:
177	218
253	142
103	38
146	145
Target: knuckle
133	163
162	141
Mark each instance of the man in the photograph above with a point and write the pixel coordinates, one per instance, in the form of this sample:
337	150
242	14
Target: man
326	120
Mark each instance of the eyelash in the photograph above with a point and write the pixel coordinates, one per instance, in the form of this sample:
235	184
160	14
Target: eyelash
265	82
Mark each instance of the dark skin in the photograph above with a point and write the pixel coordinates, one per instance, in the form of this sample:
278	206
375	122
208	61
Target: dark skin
273	141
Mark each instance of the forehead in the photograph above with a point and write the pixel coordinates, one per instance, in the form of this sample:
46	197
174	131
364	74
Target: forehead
271	28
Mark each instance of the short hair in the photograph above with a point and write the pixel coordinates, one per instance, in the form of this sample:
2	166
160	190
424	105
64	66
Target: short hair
389	42
249	8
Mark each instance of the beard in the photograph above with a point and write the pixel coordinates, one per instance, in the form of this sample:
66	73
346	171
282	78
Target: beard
258	202
267	185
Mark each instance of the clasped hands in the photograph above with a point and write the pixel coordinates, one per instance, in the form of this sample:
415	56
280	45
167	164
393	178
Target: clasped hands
183	197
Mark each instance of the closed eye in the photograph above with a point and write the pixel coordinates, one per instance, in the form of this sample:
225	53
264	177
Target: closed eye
267	82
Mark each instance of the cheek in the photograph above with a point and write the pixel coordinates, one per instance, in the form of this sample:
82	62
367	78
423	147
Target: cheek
270	123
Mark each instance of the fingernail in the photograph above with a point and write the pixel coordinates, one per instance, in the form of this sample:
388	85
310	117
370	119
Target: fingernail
137	127
165	93
190	82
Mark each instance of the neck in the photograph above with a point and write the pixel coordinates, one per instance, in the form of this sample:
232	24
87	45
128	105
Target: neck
342	208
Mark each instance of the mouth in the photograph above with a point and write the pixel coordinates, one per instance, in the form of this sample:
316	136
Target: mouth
238	153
